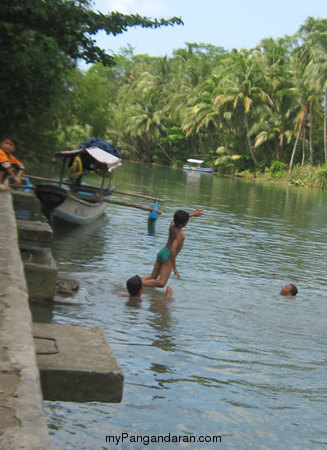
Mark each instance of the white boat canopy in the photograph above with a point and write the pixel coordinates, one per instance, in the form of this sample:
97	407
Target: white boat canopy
104	157
195	161
97	153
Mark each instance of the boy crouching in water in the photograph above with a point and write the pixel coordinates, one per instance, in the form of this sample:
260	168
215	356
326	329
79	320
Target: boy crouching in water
166	258
135	288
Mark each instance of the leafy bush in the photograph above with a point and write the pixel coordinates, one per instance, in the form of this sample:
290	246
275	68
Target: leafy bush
70	136
277	168
228	164
247	174
322	176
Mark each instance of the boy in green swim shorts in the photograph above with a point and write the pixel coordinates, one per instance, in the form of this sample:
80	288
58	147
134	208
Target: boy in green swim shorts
166	257
163	255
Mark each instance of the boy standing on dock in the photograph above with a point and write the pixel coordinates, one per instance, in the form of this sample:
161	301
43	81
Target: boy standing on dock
166	258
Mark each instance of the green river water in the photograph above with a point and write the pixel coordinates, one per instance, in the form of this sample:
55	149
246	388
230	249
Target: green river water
226	355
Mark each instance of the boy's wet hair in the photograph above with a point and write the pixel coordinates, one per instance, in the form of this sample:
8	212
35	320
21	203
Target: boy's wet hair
9	138
293	289
181	217
134	285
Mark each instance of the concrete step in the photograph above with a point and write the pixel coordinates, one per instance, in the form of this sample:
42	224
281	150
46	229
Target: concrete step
41	272
35	231
76	364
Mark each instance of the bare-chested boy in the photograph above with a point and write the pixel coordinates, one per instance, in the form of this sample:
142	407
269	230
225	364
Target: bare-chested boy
166	258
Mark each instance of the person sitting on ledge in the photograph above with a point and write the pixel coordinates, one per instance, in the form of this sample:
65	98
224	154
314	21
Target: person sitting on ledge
289	290
9	165
135	288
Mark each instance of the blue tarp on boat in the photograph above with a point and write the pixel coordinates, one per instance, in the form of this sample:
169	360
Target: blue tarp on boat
104	145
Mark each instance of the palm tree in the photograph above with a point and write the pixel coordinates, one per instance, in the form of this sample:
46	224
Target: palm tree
144	124
311	62
272	127
185	102
300	124
139	113
200	113
242	90
316	70
271	130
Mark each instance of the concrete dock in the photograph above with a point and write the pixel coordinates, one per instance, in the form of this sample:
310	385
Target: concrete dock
75	363
22	420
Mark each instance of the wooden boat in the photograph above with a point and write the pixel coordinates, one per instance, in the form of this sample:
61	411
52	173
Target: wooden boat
81	203
197	165
68	204
78	203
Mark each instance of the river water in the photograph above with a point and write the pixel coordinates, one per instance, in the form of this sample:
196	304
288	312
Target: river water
226	355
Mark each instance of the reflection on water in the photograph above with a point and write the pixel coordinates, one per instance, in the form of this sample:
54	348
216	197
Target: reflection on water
81	244
226	354
151	227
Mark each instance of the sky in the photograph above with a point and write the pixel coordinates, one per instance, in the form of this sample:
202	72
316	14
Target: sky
223	23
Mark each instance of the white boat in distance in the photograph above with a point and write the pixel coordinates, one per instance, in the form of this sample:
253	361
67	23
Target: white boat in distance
197	165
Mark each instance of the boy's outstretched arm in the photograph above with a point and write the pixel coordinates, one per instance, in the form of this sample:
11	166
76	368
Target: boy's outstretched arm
196	213
173	261
176	247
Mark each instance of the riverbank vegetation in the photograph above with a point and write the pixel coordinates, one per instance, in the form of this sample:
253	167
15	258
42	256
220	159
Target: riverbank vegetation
251	112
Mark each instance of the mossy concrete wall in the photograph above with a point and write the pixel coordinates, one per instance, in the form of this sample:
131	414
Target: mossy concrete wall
23	423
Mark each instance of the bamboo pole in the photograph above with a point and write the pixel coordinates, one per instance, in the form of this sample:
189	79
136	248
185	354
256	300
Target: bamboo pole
132	205
135	194
21	186
113	190
50	180
107	200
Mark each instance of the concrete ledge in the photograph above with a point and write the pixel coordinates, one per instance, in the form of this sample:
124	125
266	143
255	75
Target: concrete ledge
77	364
24	196
23	423
35	231
41	272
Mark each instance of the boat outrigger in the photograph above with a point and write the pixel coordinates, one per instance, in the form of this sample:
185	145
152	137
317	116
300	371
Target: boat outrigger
197	165
80	203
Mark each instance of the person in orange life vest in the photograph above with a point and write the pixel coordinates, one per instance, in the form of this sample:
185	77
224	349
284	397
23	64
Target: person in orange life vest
9	165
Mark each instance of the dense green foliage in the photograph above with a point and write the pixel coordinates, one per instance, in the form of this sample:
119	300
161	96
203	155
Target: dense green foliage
41	42
241	110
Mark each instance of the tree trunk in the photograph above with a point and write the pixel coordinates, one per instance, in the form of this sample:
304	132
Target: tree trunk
311	134
280	148
248	140
301	122
303	147
325	125
165	153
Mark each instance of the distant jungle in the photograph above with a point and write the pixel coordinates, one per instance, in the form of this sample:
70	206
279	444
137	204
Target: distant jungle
248	111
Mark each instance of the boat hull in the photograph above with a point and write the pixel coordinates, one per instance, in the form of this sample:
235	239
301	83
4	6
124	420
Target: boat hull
73	207
199	169
78	211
